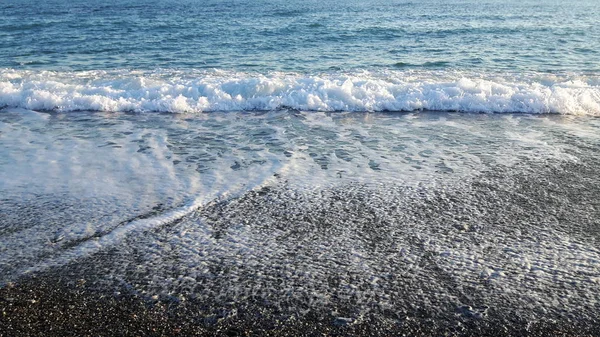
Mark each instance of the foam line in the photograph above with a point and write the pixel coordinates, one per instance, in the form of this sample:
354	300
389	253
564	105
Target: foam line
203	91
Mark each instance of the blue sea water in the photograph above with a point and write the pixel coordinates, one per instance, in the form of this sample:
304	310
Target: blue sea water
191	56
301	36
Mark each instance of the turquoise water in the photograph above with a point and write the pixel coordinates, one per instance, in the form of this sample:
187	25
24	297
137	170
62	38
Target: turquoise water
192	56
301	36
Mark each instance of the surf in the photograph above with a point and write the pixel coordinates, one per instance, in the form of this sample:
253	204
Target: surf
194	91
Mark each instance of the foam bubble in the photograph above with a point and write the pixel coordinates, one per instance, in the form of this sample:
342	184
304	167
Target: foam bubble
198	91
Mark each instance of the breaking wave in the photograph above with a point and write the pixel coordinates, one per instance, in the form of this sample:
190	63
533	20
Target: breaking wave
215	90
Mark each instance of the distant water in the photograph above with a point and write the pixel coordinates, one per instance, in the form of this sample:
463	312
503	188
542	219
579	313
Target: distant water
192	56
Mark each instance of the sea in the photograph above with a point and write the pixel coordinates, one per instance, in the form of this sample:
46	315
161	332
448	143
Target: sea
309	167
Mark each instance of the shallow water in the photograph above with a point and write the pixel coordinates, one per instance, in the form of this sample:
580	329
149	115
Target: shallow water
84	181
446	218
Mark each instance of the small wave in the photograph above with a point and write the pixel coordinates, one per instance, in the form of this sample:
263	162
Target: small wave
387	90
84	248
429	64
435	64
402	65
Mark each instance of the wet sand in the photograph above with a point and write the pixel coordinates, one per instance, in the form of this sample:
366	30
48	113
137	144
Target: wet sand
512	253
50	307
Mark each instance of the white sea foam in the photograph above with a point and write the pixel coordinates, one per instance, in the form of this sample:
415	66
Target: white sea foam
198	91
102	182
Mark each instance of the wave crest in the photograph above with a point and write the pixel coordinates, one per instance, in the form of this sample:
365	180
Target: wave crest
172	91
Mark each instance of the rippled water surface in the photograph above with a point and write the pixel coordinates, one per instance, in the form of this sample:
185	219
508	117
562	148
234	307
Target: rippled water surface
377	221
301	36
195	56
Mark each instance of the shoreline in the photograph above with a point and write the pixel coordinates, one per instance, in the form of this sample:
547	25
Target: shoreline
107	294
49	306
507	249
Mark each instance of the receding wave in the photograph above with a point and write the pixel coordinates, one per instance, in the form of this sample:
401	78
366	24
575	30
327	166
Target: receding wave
389	90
